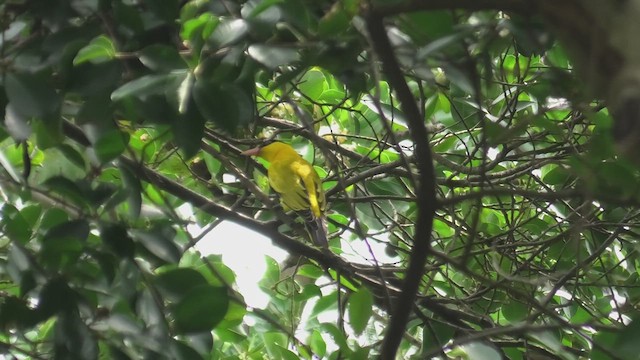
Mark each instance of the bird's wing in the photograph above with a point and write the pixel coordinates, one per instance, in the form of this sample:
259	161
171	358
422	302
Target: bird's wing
312	186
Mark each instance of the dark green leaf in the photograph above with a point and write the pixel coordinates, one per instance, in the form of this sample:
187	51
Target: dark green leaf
48	131
425	26
555	175
201	309
176	283
627	345
229	32
17	125
273	56
15	312
182	351
161	58
116	237
157	243
515	311
72	155
63	244
31	95
201	342
228	105
167	10
73	338
188	130
66	188
334	23
143	86
134	188
110	145
14	225
78	229
56	297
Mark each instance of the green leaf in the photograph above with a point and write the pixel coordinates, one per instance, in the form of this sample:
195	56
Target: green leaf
273	56
335	22
99	50
31	95
73	339
73	155
607	342
555	175
128	17
228	105
176	283
201	309
115	236
159	57
436	335
14	225
14	311
133	187
63	244
110	145
188	130
325	303
182	351
143	87
167	10
286	354
360	309
515	311
313	83
56	297
261	7
229	32
460	79
337	336
77	229
317	343
17	126
202	342
627	345
310	271
48	131
159	244
67	189
199	28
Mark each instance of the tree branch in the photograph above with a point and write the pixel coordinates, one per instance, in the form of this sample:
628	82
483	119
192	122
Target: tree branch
426	188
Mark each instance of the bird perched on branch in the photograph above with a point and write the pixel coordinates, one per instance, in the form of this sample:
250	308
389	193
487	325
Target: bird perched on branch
297	183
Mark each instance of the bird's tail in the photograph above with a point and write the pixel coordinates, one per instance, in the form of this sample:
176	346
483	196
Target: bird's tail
316	228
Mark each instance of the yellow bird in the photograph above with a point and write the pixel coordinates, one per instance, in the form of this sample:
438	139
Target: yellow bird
297	183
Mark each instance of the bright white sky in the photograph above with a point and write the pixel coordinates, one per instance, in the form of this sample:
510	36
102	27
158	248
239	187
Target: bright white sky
243	251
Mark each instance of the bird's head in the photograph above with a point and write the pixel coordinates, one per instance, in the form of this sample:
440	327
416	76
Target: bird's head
269	150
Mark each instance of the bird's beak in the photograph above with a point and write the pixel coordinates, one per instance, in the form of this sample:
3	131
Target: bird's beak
251	152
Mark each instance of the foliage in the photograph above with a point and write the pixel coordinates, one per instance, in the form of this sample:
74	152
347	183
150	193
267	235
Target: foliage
123	123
